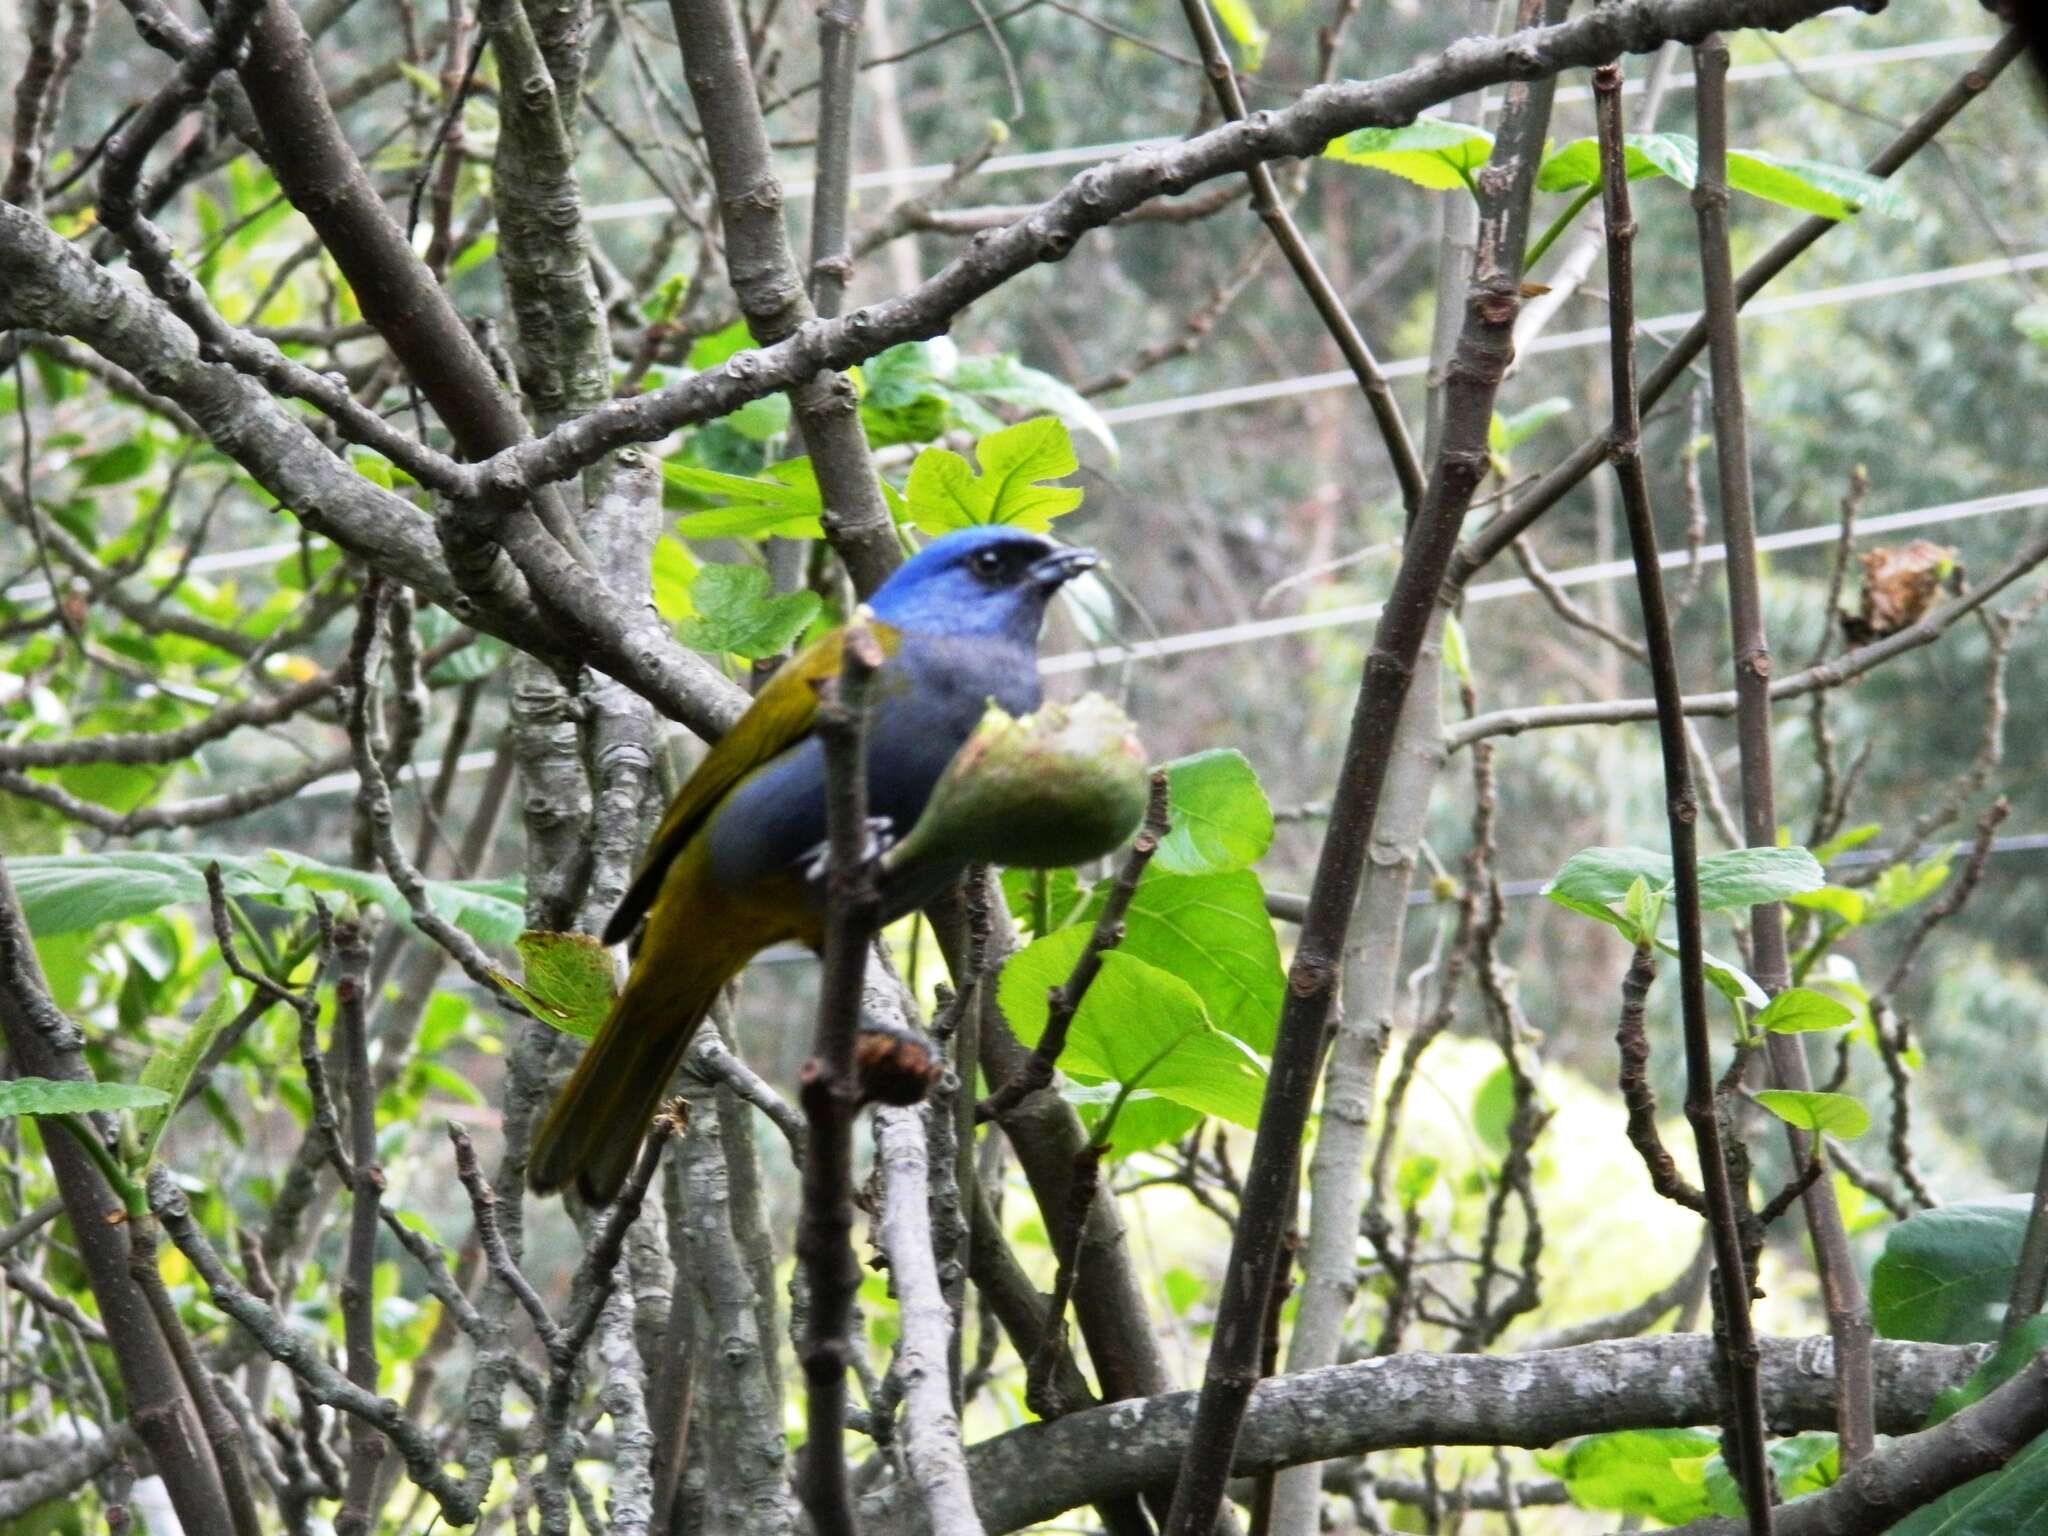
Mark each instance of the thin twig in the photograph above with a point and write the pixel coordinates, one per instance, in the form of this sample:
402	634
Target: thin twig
1848	1313
824	1249
1745	1415
1064	1001
1329	304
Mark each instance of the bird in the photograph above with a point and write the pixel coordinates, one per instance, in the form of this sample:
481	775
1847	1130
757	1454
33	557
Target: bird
737	860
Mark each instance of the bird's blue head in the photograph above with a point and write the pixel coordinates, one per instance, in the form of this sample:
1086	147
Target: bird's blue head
990	580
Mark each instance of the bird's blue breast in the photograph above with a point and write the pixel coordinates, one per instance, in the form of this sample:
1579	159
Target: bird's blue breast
928	698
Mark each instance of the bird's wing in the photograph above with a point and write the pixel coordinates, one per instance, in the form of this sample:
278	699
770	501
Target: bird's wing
780	717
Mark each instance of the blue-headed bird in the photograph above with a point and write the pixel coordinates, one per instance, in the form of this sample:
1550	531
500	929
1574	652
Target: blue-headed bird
731	869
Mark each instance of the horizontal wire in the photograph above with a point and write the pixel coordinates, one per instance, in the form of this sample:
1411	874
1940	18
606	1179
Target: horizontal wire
1568	341
1244	634
34	589
1352	614
1087	154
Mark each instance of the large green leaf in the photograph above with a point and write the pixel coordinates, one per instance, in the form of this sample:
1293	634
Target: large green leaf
998	376
48	1096
1146	1119
944	491
783	500
1212	931
1741	877
739	613
1944	1274
1799	1009
2012	1498
569	979
170	1068
1138	1026
66	893
1656	1472
1835	1114
1218	817
1832	191
1577	164
1802	1464
1431	152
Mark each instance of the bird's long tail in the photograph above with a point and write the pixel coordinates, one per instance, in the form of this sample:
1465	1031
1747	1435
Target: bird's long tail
594	1132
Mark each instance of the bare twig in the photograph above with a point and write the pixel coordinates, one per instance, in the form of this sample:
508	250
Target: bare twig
1848	1313
1745	1411
931	1435
1271	1182
1329	304
853	906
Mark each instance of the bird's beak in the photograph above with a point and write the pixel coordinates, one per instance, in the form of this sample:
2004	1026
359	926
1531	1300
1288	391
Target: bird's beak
1063	565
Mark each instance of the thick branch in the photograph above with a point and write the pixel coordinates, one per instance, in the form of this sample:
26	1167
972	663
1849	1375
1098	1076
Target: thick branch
1389	1402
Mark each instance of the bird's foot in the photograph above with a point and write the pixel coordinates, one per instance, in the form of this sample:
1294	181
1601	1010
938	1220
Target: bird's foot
878	840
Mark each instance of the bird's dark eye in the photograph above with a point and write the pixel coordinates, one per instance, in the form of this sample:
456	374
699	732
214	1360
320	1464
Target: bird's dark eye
988	562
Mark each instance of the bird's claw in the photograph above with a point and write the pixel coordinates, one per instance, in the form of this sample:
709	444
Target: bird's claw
878	840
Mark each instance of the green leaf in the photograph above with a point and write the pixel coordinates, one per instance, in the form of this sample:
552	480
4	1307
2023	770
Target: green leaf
1832	191
1064	894
1845	841
1244	28
64	893
1493	1110
1218	818
1508	433
1138	1026
170	1069
2001	1503
47	1096
2012	1355
674	568
1846	904
1836	1114
1799	1009
1598	876
2031	321
761	420
709	351
1432	152
1457	653
1000	377
1904	885
945	492
123	461
1803	1464
1741	877
739	613
1183	1290
1726	978
1143	1118
1944	1274
569	979
1415	1178
1644	909
1577	164
1655	1472
784	501
1747	877
1212	932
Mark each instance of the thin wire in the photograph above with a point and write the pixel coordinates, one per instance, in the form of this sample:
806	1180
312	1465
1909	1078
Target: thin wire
1490	591
1276	389
1568	341
1086	154
1354	614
